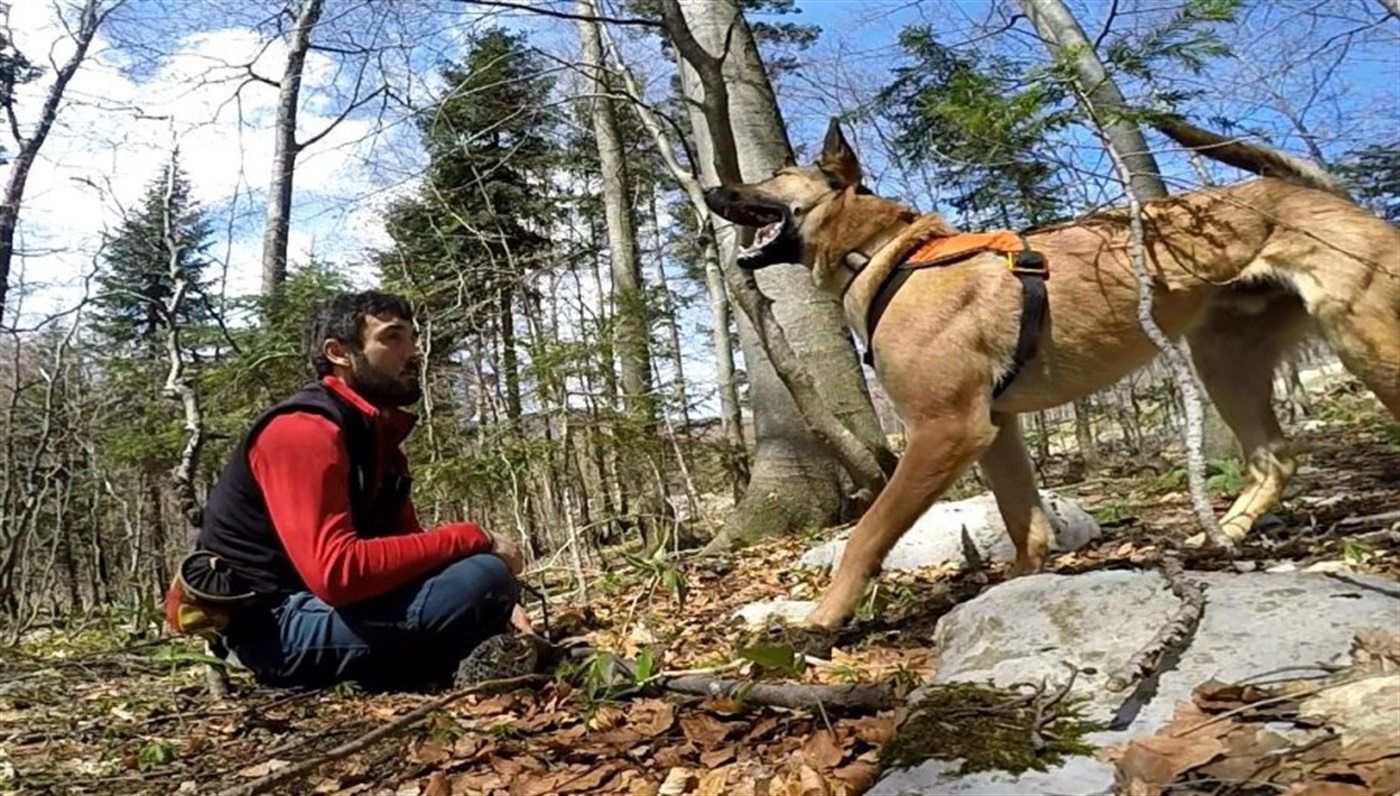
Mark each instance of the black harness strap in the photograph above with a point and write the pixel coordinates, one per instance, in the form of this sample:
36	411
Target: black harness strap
1029	268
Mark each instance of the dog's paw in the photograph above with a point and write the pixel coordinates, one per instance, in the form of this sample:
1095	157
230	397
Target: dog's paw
814	642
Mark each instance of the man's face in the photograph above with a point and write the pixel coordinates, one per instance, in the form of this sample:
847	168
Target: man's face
386	371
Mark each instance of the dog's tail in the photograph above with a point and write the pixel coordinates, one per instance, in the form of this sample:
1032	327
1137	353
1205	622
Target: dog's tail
1251	157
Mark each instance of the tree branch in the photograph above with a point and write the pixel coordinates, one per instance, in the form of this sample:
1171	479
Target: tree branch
261	784
1171	639
854	697
549	12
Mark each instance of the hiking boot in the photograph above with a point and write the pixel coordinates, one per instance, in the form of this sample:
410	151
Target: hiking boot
506	655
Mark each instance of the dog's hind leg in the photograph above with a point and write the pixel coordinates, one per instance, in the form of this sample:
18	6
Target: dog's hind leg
1007	467
1235	348
940	448
1366	337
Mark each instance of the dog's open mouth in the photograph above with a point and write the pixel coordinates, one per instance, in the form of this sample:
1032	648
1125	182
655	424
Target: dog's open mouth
774	239
763	237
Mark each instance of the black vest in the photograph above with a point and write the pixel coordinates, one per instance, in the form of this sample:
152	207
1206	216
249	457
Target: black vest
236	526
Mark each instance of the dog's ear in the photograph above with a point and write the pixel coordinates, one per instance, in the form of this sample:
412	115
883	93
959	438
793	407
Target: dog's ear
838	159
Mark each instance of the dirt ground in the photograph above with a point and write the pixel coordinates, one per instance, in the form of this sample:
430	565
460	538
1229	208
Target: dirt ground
83	710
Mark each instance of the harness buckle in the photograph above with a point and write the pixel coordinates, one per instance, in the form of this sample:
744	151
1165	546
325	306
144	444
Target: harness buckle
1027	262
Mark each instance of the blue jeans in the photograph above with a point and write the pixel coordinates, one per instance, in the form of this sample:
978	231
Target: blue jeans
409	638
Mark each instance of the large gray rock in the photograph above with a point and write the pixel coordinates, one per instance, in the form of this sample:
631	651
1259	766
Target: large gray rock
1029	628
936	537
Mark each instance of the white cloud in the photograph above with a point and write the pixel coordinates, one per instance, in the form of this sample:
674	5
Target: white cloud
113	133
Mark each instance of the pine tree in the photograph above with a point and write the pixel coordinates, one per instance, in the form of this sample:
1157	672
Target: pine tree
482	218
130	322
982	122
137	283
1374	174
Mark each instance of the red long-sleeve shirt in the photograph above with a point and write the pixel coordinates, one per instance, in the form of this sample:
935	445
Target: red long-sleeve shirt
303	471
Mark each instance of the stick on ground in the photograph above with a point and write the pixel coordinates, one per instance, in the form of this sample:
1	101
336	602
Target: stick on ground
1174	636
370	738
867	698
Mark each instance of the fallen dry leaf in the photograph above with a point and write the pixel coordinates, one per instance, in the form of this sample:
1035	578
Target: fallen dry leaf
428	751
1157	760
437	784
660	717
821	752
714	783
874	730
704	730
1314	788
859	775
717	757
262	769
678	781
812	782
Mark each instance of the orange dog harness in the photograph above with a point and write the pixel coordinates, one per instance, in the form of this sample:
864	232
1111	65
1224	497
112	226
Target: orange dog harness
1028	265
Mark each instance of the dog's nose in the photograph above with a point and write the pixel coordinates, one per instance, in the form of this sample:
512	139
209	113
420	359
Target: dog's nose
717	196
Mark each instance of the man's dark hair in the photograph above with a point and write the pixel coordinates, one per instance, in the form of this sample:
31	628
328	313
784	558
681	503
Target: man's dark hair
342	318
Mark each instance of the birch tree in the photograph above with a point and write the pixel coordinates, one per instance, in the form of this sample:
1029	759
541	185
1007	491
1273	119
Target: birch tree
1137	169
16	68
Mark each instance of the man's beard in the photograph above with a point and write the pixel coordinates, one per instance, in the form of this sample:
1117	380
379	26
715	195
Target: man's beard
382	388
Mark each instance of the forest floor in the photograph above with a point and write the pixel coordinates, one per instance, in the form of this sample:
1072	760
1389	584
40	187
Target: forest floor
83	710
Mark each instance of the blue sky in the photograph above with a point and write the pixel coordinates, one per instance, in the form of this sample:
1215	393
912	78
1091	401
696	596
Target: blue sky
107	146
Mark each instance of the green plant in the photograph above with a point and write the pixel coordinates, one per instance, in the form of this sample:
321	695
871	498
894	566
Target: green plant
156	754
661	572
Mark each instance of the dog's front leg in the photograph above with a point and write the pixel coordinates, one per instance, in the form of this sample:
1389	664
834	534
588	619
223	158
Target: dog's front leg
1007	468
940	448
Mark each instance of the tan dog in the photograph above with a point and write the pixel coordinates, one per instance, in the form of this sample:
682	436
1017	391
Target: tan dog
1242	271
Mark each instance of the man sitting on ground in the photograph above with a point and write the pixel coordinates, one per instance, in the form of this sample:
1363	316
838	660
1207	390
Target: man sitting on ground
312	516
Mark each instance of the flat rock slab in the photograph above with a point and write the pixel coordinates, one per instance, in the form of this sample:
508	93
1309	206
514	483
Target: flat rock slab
1027	629
936	537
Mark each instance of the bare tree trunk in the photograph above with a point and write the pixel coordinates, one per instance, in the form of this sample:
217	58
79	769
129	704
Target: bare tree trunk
1084	434
631	316
1393	6
1138	171
277	220
821	429
177	383
28	146
510	357
731	419
673	332
39	475
1061	33
736	455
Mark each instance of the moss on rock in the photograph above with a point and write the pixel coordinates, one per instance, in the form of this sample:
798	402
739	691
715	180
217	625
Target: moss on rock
990	729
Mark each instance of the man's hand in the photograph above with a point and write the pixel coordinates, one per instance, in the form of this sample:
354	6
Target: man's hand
509	553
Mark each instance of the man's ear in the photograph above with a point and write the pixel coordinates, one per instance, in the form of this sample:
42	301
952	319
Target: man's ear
336	352
837	158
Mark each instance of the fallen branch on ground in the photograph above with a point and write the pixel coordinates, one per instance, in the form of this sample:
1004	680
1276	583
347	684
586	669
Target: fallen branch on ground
1384	518
1174	636
370	738
856	697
